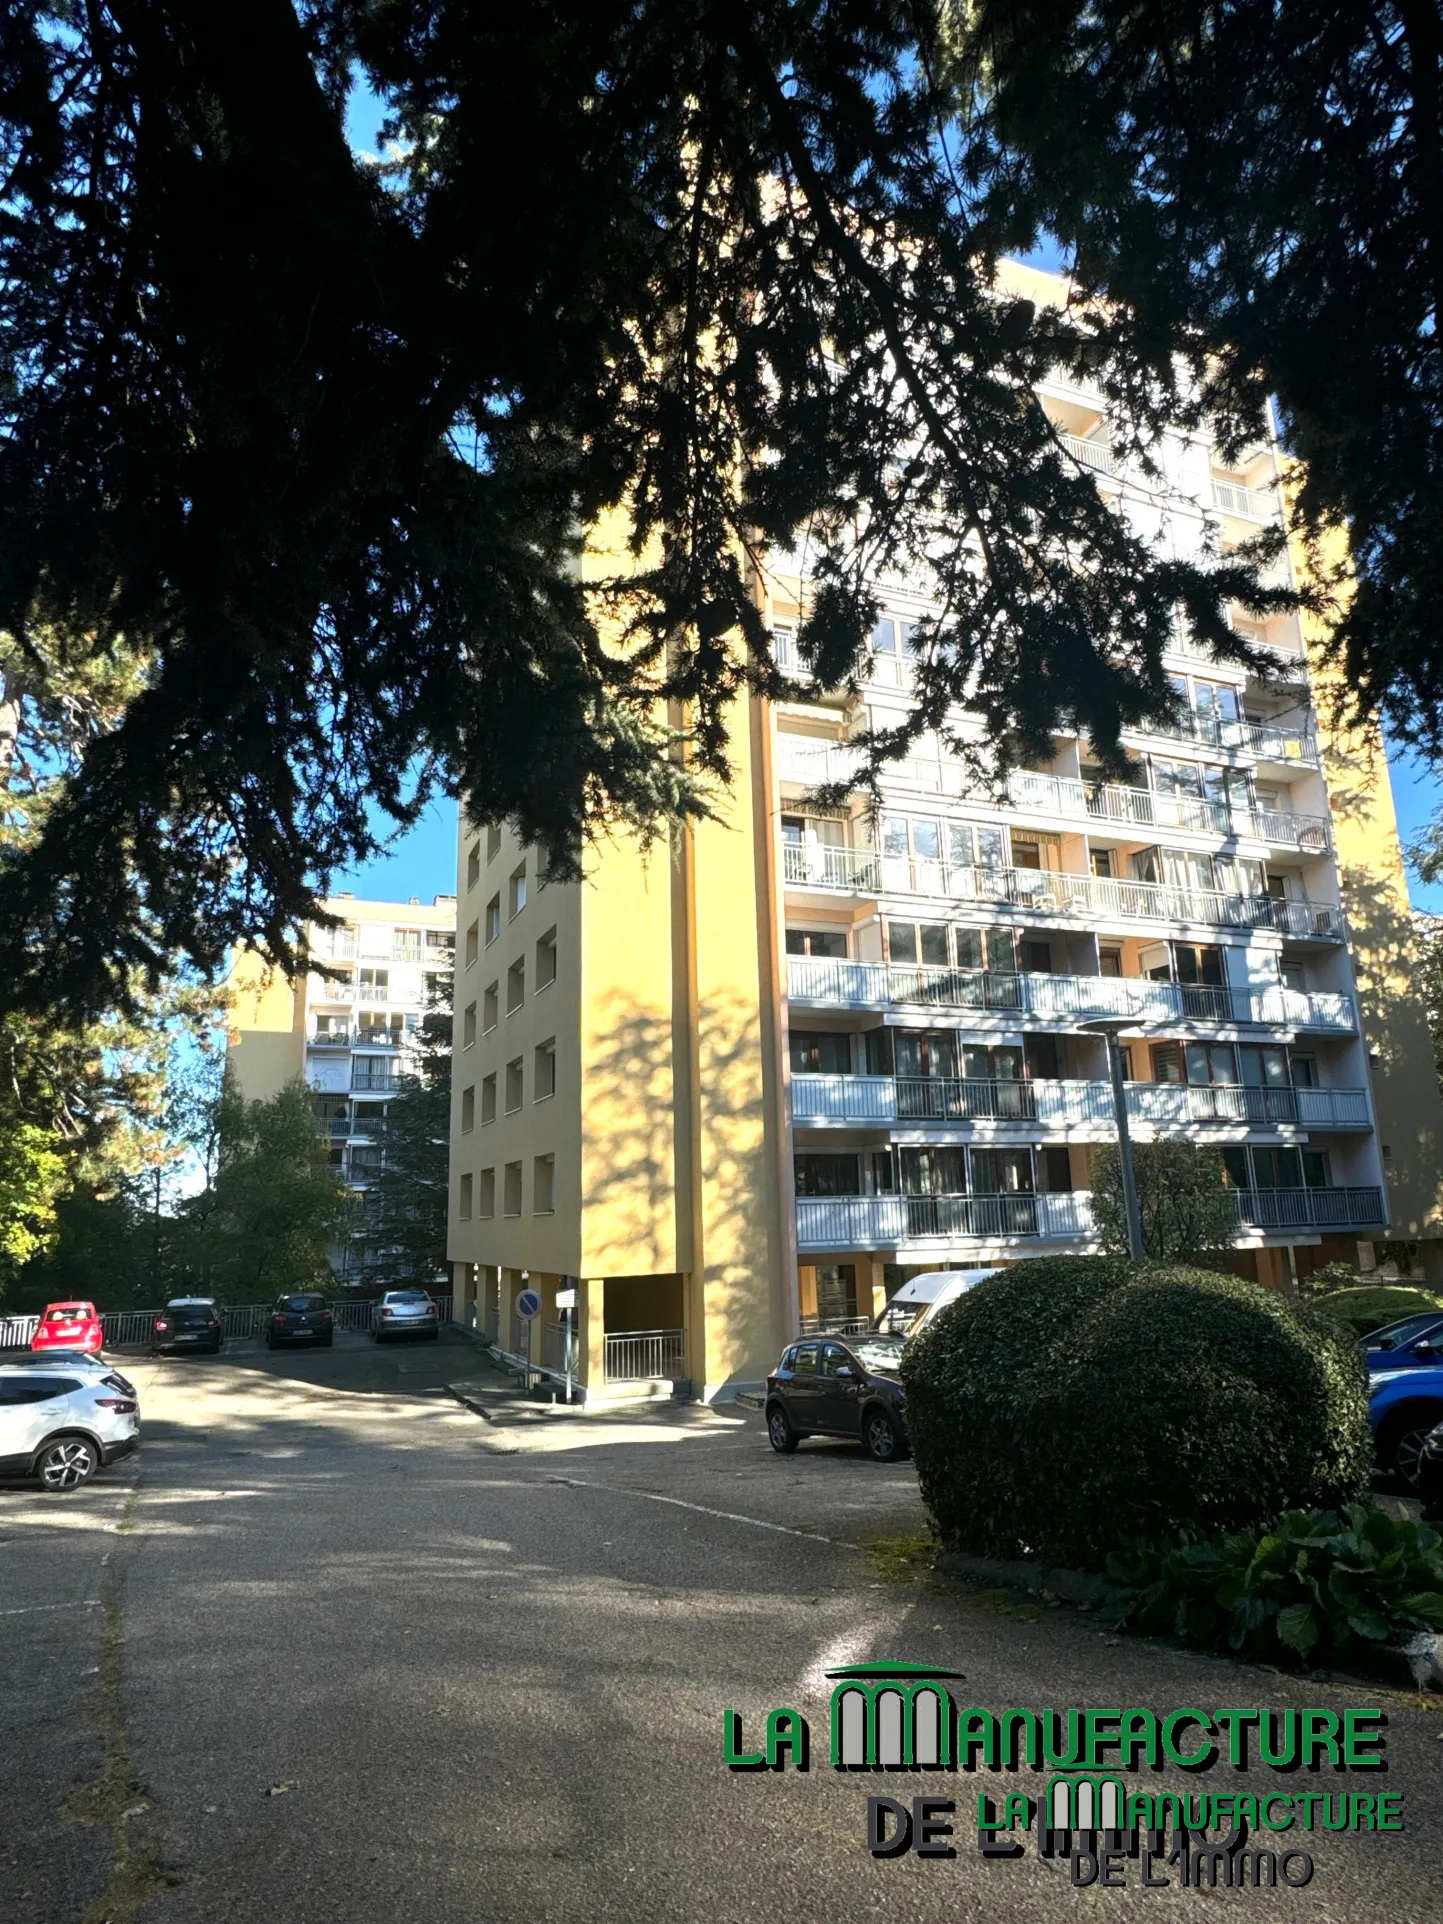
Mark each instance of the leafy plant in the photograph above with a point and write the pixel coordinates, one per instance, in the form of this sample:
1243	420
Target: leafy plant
1372	1306
1316	1584
1188	1213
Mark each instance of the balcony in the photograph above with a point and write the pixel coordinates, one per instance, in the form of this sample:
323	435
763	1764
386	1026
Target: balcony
836	1223
1052	893
1092	454
1061	1001
1270	741
1045	1104
1248	504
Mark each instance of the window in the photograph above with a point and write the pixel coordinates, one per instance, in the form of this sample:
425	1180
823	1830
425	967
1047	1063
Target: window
513	1086
1026	852
1057	1167
1210	1062
375	985
511	1190
488	1098
406	945
493	919
472	944
544	1070
877	1052
884	1172
1196	965
1305	1072
1037	958
543	1185
1167	1065
463	1207
933	1171
490	1007
1102	864
817	1053
805	1363
1109	962
1001	1172
516	891
473	865
901	942
468	1026
924	1052
468	1108
493	841
486	1194
819	1175
1276	1169
834	1357
1315	1169
830	942
515	986
546	961
884	637
1264	1068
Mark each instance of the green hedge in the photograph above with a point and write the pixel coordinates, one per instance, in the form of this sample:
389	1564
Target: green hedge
1376	1304
1070	1406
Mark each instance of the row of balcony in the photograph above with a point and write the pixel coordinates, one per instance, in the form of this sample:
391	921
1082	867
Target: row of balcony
1063	1000
820	764
359	1039
1048	1103
833	1224
1052	892
340	1128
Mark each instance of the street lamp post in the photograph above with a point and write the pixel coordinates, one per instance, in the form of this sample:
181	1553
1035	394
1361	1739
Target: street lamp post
1109	1027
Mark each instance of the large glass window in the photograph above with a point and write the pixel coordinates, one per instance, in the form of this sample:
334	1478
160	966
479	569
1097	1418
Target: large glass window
818	1052
1002	1172
829	942
1211	1062
827	1175
1263	1068
925	1052
936	1170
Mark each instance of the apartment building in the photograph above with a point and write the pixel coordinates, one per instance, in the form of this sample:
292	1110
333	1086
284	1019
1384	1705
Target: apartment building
758	1078
347	1030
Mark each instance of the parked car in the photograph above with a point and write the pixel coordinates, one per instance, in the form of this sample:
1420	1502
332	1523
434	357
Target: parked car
404	1312
59	1426
300	1319
80	1362
919	1300
825	1387
1430	1474
188	1322
1403	1406
1413	1343
68	1326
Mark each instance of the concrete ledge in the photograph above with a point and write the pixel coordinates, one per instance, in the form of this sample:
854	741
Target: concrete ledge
1023	1573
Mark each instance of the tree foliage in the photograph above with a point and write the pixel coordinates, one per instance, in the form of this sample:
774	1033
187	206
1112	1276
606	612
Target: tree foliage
406	1198
1188	1215
310	438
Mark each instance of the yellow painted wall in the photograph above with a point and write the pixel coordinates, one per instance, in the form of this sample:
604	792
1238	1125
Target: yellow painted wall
265	1043
1385	951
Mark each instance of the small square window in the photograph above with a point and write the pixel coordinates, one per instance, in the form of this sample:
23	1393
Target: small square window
468	1026
545	1071
490	1007
472	944
513	1086
486	1197
468	1109
473	865
493	841
515	987
493	919
516	894
463	1205
546	961
511	1200
488	1098
543	1184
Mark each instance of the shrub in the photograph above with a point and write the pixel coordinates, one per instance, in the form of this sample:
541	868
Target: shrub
1313	1586
1331	1277
1367	1309
1068	1406
1187	1212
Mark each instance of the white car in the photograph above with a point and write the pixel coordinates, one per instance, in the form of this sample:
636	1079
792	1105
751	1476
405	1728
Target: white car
919	1300
59	1425
404	1312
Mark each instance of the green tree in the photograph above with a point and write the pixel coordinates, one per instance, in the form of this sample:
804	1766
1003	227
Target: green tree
1188	1214
32	1174
276	1208
406	1198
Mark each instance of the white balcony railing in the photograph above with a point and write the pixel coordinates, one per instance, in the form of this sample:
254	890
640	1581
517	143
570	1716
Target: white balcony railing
838	1223
820	764
1270	741
1093	454
637	1356
1063	1000
1051	893
1050	1104
1250	504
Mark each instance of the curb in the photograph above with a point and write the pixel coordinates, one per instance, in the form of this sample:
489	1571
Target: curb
1023	1573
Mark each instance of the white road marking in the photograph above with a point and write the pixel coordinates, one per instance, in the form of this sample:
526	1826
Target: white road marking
31	1609
701	1509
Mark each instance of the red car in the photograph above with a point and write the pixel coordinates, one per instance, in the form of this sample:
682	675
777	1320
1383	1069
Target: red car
69	1326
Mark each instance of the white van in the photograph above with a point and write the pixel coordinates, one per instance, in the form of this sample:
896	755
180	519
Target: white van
918	1302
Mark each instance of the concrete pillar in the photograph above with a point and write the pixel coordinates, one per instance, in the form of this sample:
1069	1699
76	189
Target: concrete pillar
506	1329
591	1338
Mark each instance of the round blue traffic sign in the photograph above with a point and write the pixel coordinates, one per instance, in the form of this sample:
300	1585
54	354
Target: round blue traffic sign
528	1304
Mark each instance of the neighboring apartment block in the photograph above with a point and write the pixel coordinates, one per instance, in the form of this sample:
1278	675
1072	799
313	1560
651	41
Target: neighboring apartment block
759	1077
346	1031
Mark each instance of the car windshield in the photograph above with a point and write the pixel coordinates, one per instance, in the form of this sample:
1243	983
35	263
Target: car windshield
874	1354
302	1304
1399	1335
898	1318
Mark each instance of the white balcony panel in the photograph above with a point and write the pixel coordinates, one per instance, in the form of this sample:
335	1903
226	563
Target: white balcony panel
1058	1104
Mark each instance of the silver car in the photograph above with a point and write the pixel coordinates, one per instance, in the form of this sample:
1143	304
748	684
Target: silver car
404	1312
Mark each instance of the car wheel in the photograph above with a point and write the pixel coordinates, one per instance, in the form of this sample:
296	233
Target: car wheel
780	1434
881	1436
1400	1442
66	1463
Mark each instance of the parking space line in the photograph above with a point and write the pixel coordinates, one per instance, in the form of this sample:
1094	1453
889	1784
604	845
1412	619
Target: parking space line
701	1509
32	1609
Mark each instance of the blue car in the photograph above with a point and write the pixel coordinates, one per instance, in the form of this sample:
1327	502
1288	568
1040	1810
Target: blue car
1404	1405
1412	1344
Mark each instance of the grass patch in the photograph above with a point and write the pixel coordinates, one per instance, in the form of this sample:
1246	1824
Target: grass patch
904	1559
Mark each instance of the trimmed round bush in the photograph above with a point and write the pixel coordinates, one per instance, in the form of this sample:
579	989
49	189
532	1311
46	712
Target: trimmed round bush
1375	1304
1072	1405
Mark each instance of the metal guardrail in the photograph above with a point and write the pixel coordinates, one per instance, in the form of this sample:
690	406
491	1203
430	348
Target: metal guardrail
1251	504
835	1326
16	1331
1061	999
639	1356
128	1328
1092	454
